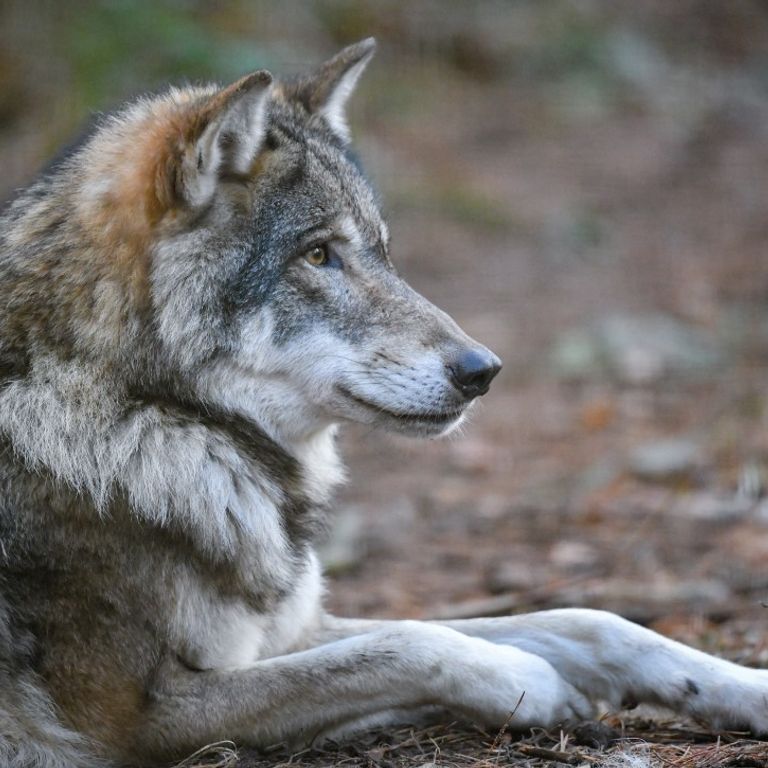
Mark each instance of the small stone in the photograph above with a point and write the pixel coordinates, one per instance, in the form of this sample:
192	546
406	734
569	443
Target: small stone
713	506
474	456
573	555
664	460
576	356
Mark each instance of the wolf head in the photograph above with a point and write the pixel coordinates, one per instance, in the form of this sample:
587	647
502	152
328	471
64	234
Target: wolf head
224	242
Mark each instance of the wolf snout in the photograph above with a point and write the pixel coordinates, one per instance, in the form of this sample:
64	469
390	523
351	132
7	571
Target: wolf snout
472	371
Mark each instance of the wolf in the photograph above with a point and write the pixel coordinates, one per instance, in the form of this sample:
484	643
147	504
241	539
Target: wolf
193	301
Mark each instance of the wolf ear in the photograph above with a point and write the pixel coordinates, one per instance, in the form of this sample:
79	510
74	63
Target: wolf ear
325	92
227	134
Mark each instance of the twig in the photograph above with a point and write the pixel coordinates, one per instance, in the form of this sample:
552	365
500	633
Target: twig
500	735
224	753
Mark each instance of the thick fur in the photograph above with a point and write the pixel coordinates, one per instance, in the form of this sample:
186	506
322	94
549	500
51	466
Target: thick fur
192	302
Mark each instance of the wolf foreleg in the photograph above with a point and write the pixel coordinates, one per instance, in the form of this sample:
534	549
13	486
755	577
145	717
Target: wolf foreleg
615	660
610	659
405	665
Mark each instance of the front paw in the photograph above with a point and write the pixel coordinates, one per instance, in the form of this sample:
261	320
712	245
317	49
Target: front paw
503	685
738	702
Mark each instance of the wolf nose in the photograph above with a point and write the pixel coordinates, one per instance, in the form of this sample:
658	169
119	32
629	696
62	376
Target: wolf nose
473	370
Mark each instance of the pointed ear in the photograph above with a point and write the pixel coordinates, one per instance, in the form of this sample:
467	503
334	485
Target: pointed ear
226	134
325	92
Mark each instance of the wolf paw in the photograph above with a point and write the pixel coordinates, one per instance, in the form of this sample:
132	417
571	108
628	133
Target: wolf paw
739	702
505	685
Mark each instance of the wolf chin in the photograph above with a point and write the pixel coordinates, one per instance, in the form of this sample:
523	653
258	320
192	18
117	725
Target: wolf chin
193	300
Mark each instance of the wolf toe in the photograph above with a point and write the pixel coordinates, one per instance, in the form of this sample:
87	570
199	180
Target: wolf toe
510	686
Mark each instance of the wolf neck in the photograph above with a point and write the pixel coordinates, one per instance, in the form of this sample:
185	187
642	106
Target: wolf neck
285	415
212	474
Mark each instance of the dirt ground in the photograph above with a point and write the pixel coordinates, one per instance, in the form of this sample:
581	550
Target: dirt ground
582	185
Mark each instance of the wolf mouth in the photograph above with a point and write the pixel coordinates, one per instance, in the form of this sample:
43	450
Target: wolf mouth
440	417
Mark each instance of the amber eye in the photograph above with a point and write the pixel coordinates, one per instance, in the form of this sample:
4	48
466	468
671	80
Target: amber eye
317	256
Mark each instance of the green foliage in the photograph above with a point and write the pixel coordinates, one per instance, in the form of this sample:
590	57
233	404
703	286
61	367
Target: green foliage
117	47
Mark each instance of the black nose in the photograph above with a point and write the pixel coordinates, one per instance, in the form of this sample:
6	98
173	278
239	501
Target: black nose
473	370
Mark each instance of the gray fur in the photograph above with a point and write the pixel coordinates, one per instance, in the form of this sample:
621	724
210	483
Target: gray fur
175	357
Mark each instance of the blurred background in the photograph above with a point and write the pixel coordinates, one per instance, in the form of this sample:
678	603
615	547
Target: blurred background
583	186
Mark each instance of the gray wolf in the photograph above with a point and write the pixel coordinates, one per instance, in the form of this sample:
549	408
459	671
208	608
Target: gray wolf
192	301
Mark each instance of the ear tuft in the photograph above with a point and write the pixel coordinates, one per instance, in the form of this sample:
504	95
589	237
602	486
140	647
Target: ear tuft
325	92
224	132
220	134
235	118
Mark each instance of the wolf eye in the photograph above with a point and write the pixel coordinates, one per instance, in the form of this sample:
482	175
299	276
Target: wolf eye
317	256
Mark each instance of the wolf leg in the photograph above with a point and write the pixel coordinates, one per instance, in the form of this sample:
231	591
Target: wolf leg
300	696
611	659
